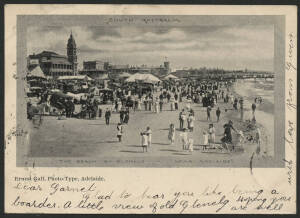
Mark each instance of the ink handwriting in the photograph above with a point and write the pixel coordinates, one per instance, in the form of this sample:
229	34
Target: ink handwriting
91	196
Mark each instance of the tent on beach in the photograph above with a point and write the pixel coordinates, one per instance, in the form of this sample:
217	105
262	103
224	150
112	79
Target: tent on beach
103	77
147	78
124	75
170	76
79	77
36	73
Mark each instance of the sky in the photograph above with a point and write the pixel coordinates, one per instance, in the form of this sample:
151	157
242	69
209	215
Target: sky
233	47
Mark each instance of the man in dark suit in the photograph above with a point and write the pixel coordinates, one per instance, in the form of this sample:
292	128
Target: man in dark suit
107	116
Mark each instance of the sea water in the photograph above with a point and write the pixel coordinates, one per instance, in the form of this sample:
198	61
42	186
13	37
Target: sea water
251	89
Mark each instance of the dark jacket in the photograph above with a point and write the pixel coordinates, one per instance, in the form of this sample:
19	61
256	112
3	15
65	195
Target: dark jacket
107	114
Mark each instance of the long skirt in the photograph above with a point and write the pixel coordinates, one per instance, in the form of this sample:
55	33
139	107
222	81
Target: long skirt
172	106
139	106
212	138
119	106
176	106
157	109
171	136
227	139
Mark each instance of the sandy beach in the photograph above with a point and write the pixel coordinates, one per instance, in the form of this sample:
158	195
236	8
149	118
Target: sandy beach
75	139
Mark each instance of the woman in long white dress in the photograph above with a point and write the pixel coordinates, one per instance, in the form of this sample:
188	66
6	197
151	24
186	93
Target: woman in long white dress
171	135
139	104
172	100
184	119
191	145
205	138
212	133
184	139
157	106
119	105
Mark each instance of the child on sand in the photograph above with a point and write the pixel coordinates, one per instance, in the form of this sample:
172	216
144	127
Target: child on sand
205	138
171	135
184	139
149	135
144	141
240	138
191	145
120	131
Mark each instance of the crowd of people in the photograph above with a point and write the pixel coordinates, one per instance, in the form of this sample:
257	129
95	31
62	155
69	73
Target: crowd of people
187	118
176	95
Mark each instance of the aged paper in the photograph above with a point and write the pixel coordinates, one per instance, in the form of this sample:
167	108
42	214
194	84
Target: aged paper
150	109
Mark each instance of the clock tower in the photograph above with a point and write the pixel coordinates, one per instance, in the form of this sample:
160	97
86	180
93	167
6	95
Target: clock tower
72	53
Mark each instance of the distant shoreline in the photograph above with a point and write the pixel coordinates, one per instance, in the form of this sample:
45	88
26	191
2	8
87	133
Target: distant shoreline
264	116
248	92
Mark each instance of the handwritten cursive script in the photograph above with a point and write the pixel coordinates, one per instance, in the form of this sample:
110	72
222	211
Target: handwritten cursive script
289	167
67	194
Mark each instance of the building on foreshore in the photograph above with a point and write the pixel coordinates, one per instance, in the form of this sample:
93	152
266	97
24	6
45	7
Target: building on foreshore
118	68
95	69
53	64
157	70
35	81
99	69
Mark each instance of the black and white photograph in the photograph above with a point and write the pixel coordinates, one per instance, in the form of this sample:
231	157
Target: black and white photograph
151	91
150	109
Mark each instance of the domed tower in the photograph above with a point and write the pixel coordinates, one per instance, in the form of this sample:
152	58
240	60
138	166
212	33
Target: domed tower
71	53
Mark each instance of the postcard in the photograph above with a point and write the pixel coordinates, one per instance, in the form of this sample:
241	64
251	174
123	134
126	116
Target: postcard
150	109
